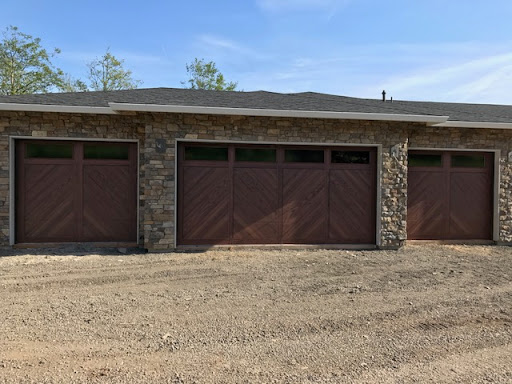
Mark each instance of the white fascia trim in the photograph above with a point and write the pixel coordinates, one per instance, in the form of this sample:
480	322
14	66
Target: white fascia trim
474	124
113	108
276	113
56	108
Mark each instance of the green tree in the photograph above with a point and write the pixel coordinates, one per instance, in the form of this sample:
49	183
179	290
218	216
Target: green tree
25	66
107	74
69	84
204	75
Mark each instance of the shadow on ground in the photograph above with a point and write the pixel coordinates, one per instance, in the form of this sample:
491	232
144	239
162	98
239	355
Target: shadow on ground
72	250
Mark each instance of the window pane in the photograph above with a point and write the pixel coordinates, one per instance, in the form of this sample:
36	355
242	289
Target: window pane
350	157
95	151
417	160
206	153
468	161
54	151
303	156
255	154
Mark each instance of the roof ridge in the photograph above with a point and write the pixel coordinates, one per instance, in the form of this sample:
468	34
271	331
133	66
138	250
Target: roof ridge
265	100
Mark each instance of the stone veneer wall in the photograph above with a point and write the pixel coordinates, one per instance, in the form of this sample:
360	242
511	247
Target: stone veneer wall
157	134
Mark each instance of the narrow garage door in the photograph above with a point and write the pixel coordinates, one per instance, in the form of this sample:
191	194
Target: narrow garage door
76	191
450	195
233	194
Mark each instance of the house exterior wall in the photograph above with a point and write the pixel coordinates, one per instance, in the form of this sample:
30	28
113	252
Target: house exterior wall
157	134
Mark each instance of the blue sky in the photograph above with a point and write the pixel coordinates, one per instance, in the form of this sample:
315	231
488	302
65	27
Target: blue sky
450	50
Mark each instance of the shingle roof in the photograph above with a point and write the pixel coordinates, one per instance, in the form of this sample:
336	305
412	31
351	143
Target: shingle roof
305	101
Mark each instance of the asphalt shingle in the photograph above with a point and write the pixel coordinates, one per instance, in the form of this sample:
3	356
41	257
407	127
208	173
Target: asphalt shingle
306	101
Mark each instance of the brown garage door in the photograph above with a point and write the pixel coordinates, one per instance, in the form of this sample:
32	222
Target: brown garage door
450	195
233	194
76	191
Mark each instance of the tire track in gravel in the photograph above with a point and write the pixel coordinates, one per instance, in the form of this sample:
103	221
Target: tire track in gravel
259	316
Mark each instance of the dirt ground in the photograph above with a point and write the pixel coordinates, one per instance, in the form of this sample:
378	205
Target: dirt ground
423	314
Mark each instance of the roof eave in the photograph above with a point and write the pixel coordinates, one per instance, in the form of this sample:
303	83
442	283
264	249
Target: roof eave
115	108
56	108
429	119
474	124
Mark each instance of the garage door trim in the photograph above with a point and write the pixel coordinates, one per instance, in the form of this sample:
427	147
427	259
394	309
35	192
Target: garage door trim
378	171
496	179
12	174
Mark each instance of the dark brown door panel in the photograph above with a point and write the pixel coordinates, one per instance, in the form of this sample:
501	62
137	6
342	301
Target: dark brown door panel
305	206
63	197
427	209
274	194
49	202
470	206
206	204
450	196
107	192
352	206
255	206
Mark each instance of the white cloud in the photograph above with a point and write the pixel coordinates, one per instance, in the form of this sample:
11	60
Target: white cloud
466	79
219	42
218	47
457	72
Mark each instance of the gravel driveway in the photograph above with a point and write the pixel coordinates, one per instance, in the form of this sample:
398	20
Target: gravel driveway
439	314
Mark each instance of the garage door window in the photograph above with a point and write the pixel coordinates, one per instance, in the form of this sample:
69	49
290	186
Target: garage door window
468	161
206	153
424	160
267	155
350	157
114	152
303	156
49	151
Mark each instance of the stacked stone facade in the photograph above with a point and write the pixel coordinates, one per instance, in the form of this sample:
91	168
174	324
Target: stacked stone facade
157	134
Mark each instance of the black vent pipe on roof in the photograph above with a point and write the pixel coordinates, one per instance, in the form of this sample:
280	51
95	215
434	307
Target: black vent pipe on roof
384	95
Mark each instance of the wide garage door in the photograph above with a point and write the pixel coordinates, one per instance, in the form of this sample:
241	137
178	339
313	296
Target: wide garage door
76	191
450	195
236	194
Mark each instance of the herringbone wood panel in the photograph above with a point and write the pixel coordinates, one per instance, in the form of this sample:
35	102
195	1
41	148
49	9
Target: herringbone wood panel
206	204
255	218
49	203
470	206
451	203
75	200
305	206
352	206
224	202
109	196
427	208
